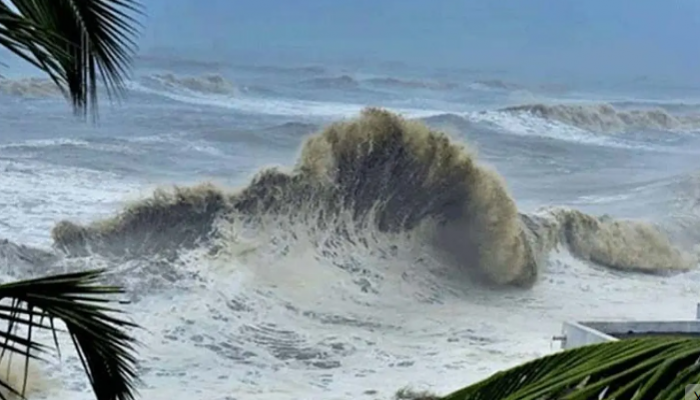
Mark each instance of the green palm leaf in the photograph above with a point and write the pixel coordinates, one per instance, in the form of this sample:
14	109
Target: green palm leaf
642	368
75	42
99	336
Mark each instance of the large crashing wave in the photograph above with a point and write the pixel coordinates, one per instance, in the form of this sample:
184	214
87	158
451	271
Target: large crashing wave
604	118
383	173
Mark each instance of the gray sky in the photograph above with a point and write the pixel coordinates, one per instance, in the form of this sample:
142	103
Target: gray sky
591	37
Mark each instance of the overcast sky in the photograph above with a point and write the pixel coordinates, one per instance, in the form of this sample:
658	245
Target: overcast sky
639	37
591	38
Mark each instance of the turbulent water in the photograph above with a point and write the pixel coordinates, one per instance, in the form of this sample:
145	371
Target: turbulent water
314	232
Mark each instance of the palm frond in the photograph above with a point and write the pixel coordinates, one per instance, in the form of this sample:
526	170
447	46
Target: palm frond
99	335
76	42
29	41
642	368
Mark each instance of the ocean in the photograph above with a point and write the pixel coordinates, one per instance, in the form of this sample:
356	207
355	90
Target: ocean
279	239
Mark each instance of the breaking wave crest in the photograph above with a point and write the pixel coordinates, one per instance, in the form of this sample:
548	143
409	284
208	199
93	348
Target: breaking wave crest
620	244
604	118
382	174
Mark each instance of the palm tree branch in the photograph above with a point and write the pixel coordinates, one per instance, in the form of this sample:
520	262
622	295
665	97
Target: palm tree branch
105	349
29	41
26	356
643	366
676	391
97	39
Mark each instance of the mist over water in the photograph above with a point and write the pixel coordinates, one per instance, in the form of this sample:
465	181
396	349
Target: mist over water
302	206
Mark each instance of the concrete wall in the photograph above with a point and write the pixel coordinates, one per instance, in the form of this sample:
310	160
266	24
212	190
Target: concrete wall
577	334
613	328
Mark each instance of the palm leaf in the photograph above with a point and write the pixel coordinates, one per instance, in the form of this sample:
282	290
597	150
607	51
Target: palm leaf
75	42
99	336
642	368
29	41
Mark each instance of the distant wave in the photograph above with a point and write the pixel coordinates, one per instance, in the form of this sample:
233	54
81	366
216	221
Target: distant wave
448	120
271	69
209	83
380	174
340	82
498	84
29	87
279	106
171	61
32	87
348	82
553	87
293	129
411	84
605	118
503	85
675	107
523	125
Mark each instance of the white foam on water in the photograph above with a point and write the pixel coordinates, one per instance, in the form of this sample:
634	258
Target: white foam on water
35	195
431	346
279	107
250	324
51	144
528	125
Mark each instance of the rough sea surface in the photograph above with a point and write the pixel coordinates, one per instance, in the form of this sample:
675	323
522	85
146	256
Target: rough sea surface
316	251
